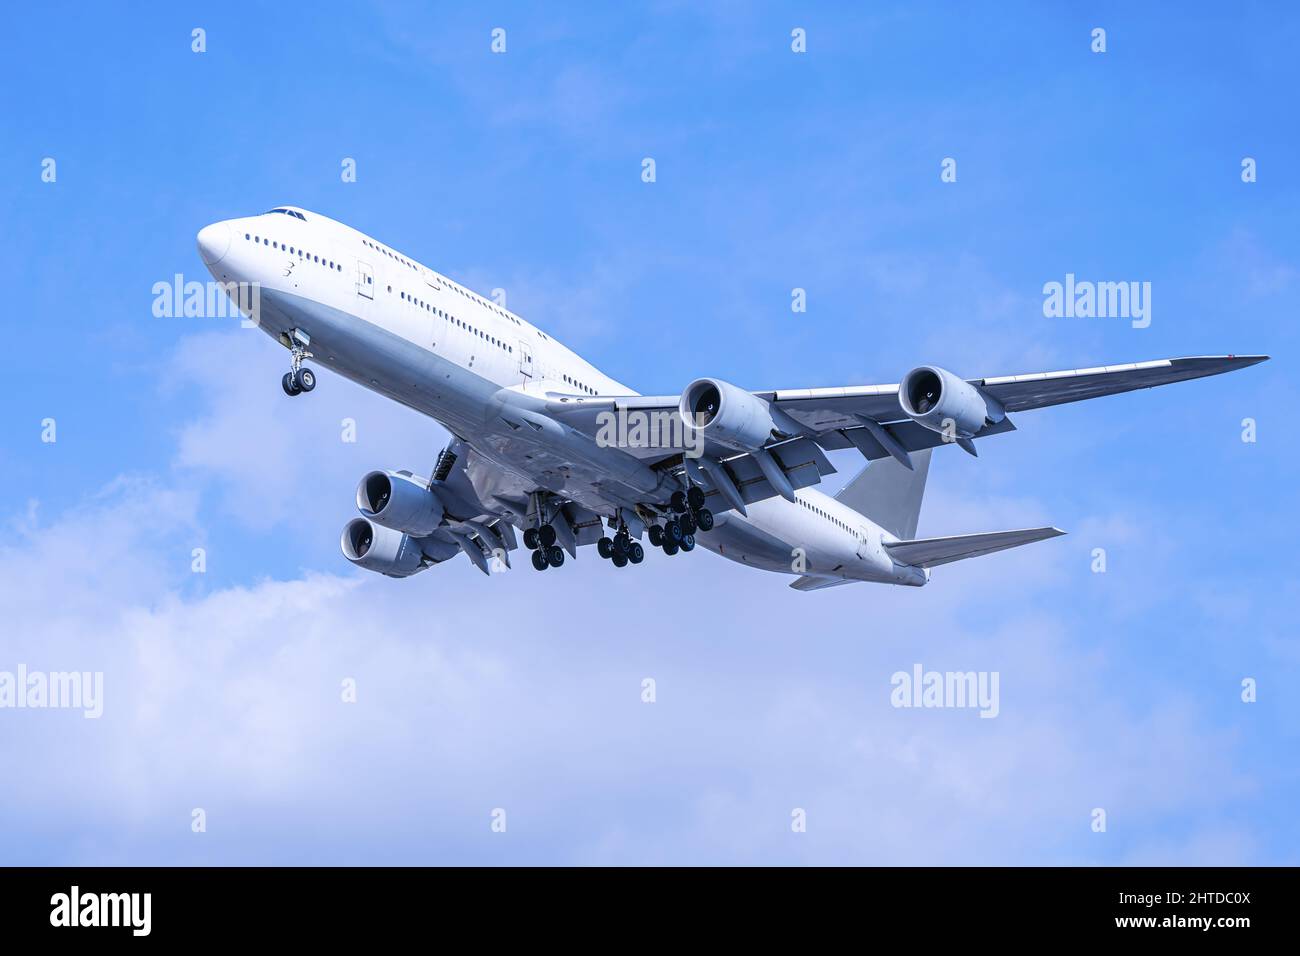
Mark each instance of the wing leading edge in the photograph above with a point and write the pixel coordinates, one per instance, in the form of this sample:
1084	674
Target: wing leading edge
826	413
870	418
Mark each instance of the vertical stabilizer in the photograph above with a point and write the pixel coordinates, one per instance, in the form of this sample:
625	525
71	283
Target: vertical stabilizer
890	495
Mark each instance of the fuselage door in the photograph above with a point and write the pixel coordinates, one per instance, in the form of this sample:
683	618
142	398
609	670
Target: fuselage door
365	280
525	359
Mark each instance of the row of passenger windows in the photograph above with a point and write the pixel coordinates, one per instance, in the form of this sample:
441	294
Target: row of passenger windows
829	517
578	385
392	255
455	288
430	307
418	303
294	251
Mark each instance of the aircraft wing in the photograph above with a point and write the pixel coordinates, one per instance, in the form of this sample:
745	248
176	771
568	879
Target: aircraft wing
834	417
824	409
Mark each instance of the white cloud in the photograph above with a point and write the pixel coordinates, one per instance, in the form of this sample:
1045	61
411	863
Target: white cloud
523	691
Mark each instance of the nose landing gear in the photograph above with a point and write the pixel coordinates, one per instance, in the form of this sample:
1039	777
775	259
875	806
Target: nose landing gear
295	383
298	379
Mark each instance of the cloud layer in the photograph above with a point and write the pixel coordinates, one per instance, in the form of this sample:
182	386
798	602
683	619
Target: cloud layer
524	691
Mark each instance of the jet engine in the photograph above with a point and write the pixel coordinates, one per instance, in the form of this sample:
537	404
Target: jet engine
381	549
932	396
399	501
731	416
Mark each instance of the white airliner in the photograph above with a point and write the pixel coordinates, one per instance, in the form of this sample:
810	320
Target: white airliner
545	442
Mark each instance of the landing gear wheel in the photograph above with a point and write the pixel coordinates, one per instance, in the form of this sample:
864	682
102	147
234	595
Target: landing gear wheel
704	518
673	533
554	555
305	379
531	539
670	548
656	536
687	521
548	535
677	501
605	548
688	543
636	553
620	560
539	561
289	385
695	497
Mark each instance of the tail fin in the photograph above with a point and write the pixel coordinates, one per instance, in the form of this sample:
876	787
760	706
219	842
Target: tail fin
930	552
889	494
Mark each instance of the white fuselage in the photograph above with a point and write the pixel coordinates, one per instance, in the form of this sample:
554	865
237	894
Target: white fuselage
321	276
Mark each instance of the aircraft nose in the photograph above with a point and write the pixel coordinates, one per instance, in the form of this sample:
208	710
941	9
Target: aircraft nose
214	242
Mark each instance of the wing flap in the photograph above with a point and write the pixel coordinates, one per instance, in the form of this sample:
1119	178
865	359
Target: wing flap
803	462
912	437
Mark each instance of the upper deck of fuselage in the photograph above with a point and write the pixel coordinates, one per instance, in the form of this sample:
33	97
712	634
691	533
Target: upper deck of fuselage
398	277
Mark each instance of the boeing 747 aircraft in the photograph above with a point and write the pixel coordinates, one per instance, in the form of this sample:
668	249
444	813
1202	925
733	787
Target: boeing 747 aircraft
546	443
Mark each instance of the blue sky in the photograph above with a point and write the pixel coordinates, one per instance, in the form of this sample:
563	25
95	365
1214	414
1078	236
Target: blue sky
775	170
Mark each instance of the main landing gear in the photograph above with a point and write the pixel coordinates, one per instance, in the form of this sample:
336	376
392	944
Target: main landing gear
678	533
546	553
298	379
621	549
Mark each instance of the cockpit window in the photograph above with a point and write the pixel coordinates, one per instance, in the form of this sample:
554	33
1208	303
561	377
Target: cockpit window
288	212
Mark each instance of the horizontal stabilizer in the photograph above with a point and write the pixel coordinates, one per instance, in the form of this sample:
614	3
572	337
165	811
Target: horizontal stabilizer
930	552
814	582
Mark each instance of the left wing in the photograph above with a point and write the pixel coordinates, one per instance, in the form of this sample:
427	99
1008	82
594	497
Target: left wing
834	417
871	418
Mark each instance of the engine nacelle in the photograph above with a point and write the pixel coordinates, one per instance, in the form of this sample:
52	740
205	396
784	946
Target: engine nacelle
400	502
376	548
932	396
729	415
